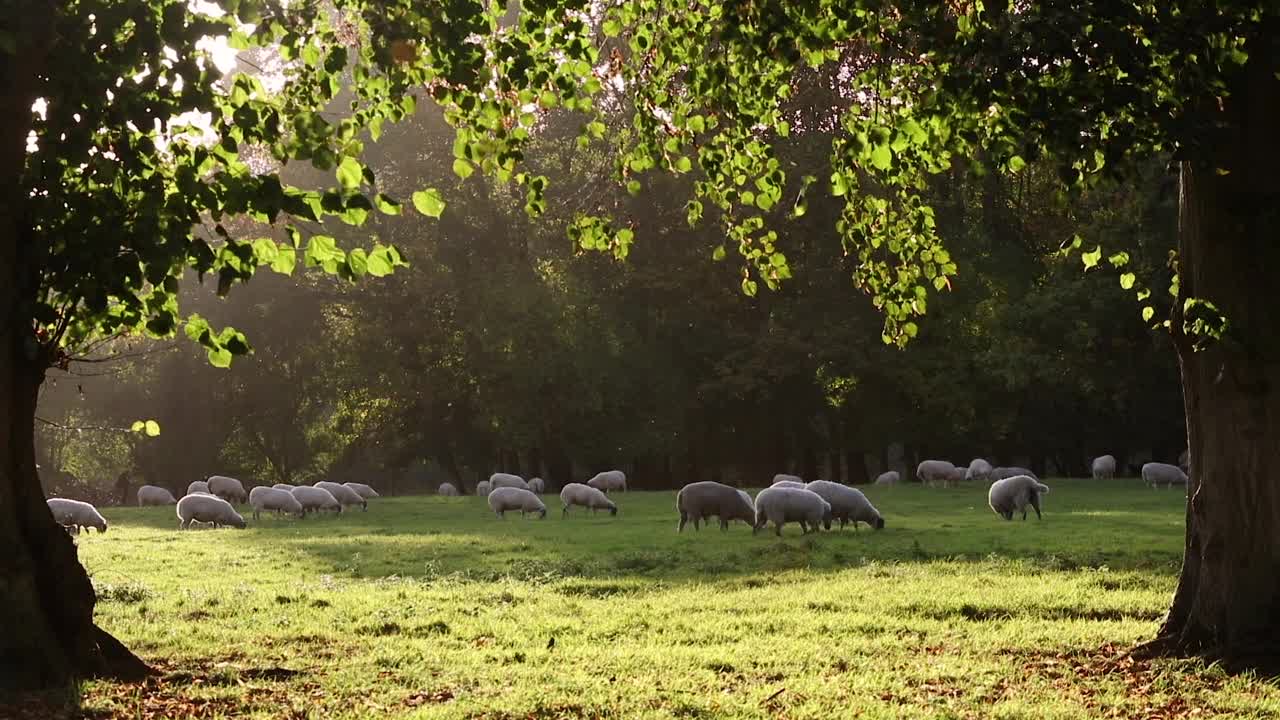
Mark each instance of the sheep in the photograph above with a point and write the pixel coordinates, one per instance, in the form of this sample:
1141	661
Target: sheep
228	488
609	480
848	505
1184	461
700	500
364	491
343	494
957	476
780	505
282	486
586	496
1014	494
537	486
274	499
1001	473
482	488
315	499
935	471
785	478
979	469
155	495
207	509
1154	473
502	499
1104	467
447	489
198	486
498	480
888	478
793	484
76	515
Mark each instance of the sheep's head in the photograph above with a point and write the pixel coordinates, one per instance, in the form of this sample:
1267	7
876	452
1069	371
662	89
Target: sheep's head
613	509
237	521
879	523
102	526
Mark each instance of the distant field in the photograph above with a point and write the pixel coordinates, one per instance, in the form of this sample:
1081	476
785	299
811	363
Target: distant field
431	607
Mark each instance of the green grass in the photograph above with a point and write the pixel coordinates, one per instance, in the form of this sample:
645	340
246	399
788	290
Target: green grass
431	607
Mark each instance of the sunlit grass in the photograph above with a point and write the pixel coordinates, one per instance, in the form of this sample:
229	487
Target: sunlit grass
431	607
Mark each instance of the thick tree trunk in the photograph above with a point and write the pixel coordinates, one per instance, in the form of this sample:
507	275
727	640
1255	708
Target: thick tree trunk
1227	604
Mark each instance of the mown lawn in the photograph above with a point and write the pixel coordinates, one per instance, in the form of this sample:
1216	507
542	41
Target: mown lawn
431	607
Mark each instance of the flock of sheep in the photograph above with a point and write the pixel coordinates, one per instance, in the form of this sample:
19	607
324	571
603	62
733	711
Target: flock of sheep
789	499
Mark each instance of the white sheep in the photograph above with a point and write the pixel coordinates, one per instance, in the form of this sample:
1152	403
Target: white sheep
76	515
364	491
781	505
198	486
888	478
502	499
1104	467
155	495
785	478
1154	473
609	480
979	469
315	499
207	509
447	489
848	505
275	500
1184	460
587	497
932	472
1014	494
793	484
537	486
228	488
284	486
343	494
498	480
700	500
482	488
1001	473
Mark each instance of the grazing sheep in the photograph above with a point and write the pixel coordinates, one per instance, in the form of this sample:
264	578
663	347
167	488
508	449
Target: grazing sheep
198	486
1001	473
498	480
609	480
1184	460
793	484
979	469
73	514
1104	468
315	499
482	488
537	486
1014	494
228	488
283	486
930	472
848	505
155	495
447	489
781	505
586	496
1154	473
958	476
889	478
275	500
362	490
785	478
700	500
208	509
502	499
343	494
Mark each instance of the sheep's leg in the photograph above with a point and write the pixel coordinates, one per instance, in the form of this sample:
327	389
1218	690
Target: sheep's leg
683	519
724	525
777	529
1035	503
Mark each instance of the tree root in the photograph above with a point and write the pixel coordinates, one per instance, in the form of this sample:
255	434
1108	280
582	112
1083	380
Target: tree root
115	661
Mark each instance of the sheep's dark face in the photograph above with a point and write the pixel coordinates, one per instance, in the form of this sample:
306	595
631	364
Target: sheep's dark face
613	509
878	524
542	513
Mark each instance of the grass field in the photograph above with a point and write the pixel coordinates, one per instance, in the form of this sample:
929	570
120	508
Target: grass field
431	607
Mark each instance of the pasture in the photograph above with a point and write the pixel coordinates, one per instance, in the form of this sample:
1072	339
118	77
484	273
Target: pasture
431	607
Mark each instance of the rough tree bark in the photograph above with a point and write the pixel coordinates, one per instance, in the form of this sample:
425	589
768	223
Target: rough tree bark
1227	603
47	635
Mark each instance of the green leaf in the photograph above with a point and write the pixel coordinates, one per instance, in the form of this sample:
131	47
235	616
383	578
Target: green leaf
137	426
1091	258
719	253
881	157
219	357
749	287
152	428
462	168
684	164
1016	163
386	205
285	261
428	202
1126	281
358	263
611	27
1148	312
350	173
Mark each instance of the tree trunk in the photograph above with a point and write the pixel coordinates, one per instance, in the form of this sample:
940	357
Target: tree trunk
1227	604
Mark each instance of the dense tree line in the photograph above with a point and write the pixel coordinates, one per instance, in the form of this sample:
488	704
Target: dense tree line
504	346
